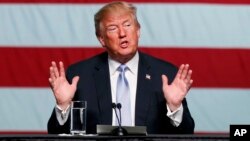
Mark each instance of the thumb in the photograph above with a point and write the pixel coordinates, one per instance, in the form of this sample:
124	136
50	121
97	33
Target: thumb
75	80
164	80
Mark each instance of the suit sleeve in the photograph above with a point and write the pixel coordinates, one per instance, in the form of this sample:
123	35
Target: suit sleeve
187	124
53	126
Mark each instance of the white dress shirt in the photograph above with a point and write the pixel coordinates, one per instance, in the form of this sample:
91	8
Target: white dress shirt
131	76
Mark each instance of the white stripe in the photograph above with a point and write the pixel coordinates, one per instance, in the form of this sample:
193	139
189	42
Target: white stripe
212	109
25	108
188	25
215	109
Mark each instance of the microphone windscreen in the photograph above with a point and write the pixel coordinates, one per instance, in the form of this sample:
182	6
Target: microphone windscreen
113	105
119	105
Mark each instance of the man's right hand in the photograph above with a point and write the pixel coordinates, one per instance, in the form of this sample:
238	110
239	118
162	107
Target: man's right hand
62	90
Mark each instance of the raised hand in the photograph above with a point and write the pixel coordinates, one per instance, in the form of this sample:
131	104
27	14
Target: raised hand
62	90
177	90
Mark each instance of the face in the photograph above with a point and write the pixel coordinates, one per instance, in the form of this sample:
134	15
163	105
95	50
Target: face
119	34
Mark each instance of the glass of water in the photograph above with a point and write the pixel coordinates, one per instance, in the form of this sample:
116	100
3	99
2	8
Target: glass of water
78	117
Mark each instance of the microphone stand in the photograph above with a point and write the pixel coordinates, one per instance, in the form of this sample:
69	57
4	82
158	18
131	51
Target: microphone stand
119	131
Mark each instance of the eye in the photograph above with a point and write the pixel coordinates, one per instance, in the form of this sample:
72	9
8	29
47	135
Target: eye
111	28
127	24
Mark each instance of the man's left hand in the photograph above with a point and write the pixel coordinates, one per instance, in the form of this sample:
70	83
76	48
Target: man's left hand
175	92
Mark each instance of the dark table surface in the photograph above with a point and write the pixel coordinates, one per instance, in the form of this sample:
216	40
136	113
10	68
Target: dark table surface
195	137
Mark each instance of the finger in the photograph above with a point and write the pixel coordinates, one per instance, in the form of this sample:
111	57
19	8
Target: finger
191	81
184	71
189	75
55	69
62	70
164	80
75	80
51	83
190	84
52	74
178	75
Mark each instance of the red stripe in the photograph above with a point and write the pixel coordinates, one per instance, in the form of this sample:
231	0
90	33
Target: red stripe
212	67
134	1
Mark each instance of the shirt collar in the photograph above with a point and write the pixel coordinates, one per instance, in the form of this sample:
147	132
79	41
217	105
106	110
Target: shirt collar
132	64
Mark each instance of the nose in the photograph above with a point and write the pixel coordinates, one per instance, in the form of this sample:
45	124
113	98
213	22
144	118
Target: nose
122	32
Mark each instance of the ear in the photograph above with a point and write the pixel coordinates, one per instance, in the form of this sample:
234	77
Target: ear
101	40
138	32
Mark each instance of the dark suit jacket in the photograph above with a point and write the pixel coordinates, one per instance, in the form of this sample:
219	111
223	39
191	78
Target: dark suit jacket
94	87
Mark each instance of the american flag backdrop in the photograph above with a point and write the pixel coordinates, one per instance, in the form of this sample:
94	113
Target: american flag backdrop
213	36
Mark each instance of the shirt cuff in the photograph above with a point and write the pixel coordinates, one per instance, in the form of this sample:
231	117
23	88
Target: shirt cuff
62	115
175	116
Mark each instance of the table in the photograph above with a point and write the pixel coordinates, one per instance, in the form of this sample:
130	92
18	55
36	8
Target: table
51	137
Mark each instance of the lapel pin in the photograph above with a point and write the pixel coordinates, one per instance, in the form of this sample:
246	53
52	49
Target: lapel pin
148	76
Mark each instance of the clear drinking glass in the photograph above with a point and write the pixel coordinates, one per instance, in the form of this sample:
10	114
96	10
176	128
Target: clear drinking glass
78	115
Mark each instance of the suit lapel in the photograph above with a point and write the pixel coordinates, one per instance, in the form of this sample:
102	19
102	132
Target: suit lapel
103	90
143	91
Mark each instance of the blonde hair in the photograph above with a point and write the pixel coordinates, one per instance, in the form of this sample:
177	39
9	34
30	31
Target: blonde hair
113	7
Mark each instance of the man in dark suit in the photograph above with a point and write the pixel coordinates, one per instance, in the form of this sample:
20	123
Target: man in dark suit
156	88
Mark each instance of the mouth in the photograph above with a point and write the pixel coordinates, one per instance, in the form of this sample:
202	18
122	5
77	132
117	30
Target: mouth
124	44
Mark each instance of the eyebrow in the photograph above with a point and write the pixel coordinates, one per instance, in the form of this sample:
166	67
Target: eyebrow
112	24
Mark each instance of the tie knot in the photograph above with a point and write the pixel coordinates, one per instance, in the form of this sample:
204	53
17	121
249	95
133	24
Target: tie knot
122	68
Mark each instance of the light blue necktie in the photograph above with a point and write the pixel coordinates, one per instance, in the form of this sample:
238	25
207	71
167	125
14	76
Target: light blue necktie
123	96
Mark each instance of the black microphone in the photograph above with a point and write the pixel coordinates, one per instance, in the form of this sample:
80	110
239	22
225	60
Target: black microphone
118	131
114	106
119	106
